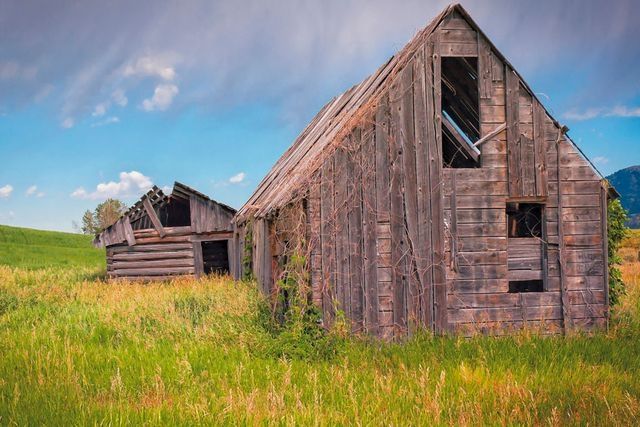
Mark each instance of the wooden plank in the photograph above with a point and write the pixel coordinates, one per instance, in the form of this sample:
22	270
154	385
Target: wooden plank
462	144
398	237
540	144
566	318
497	68
342	232
458	49
382	159
327	237
478	315
128	232
168	263
482	258
513	133
485	80
138	256
424	132
370	261
499	300
354	194
151	213
437	202
454	225
410	196
527	166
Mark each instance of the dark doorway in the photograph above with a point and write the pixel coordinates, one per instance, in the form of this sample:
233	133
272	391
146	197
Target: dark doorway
215	258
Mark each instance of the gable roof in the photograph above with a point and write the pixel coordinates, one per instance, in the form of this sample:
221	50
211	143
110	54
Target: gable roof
337	118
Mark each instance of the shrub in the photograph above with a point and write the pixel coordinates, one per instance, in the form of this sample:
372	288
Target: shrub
617	230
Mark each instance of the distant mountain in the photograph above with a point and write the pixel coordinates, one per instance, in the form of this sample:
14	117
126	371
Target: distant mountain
627	182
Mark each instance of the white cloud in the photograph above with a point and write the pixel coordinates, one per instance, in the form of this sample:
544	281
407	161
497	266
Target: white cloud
237	178
6	191
592	113
162	98
118	96
130	184
150	66
108	121
622	111
68	123
31	190
600	160
100	109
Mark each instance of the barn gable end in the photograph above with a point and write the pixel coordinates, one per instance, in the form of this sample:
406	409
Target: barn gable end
429	202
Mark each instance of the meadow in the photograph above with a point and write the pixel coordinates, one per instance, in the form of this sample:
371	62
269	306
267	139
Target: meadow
78	350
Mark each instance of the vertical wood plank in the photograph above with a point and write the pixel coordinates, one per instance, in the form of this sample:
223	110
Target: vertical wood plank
437	202
454	224
566	316
485	79
513	133
398	239
370	261
424	132
382	159
342	232
327	238
128	231
355	229
198	262
540	144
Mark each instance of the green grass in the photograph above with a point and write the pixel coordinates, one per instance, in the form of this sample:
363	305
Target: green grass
75	349
28	248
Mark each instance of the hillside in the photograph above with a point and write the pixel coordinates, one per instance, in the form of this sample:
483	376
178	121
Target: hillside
627	182
32	249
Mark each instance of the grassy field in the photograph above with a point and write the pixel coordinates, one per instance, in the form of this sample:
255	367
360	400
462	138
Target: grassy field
77	350
34	249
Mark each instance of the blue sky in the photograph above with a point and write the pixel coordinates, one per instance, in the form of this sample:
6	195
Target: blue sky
103	99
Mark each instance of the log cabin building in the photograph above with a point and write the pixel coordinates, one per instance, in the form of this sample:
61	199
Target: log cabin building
437	194
162	236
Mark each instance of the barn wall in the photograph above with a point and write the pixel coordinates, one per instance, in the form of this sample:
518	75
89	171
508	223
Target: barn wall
521	163
397	243
154	257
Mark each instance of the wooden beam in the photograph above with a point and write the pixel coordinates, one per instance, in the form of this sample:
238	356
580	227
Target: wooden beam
153	217
470	152
490	135
128	232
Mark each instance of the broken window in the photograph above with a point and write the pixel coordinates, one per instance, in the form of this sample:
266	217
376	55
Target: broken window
215	257
460	112
524	219
516	286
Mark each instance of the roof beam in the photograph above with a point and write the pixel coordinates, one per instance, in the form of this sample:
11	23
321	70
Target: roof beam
469	151
153	217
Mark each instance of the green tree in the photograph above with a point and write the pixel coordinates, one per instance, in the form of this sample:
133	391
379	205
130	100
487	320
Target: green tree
617	230
105	214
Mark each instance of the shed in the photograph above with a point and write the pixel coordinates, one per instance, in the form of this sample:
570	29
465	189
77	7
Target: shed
161	236
438	194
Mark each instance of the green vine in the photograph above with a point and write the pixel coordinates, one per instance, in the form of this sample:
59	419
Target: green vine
247	253
617	230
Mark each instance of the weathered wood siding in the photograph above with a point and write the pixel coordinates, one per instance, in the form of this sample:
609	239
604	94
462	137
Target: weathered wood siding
521	163
397	243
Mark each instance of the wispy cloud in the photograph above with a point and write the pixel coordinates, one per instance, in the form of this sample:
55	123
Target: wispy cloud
10	70
33	191
162	98
237	178
600	160
593	113
130	184
108	121
6	191
68	123
150	66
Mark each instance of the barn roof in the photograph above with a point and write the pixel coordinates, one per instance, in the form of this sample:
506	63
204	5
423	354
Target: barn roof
336	119
158	199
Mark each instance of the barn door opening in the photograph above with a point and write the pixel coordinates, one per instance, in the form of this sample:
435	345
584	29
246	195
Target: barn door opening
215	257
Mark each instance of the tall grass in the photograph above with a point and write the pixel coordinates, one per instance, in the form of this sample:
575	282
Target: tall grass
76	349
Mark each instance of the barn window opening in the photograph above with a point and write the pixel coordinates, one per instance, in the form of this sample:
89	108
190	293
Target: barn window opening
215	257
518	286
176	213
460	112
524	219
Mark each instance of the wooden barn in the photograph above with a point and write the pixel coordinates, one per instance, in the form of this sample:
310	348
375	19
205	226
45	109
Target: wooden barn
439	194
184	233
